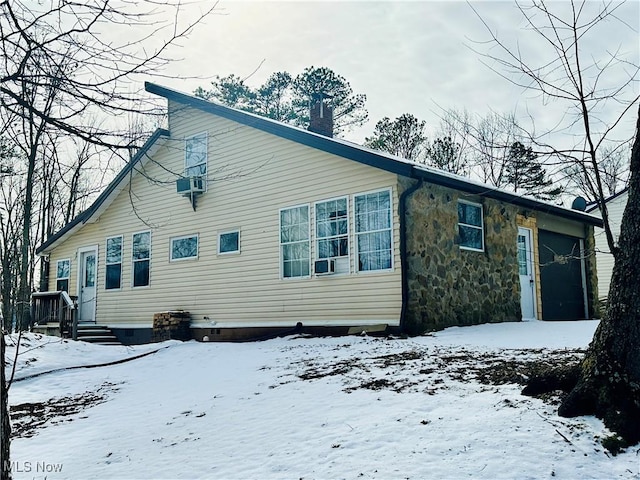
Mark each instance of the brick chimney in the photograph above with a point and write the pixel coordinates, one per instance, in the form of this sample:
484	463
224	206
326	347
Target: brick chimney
320	117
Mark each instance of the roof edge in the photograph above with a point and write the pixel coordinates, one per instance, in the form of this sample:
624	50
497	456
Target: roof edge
84	216
502	195
594	205
361	154
314	140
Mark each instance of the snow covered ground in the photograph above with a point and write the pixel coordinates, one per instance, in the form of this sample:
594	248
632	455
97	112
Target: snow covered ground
314	408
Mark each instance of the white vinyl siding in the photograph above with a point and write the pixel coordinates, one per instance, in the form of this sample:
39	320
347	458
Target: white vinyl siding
374	236
113	263
470	226
184	248
258	174
604	257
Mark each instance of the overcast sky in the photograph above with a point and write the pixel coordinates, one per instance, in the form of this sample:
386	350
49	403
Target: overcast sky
410	57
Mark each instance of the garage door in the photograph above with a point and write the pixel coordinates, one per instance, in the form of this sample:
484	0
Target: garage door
560	276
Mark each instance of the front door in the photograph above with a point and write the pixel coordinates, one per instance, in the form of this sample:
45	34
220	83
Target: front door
87	282
527	276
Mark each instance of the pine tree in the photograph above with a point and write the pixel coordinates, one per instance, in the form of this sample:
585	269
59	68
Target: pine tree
286	99
403	137
445	154
525	174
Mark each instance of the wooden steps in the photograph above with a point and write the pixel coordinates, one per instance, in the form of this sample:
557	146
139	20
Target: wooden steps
98	334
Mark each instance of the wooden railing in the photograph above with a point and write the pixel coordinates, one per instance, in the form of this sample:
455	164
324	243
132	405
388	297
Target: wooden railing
56	307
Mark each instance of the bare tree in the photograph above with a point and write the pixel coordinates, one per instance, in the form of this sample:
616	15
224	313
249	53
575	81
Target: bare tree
63	62
614	172
452	147
591	85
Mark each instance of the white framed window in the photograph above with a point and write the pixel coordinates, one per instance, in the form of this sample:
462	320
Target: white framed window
229	242
195	155
113	263
295	251
141	258
470	226
332	232
373	231
63	273
184	248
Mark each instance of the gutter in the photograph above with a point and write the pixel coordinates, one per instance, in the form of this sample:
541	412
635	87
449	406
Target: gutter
402	212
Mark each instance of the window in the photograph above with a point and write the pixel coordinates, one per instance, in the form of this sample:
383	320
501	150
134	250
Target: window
332	232
523	265
229	242
63	272
195	156
141	254
294	242
470	226
332	225
373	230
184	248
113	275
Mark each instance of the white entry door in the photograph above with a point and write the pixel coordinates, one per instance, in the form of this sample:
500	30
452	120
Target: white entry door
527	276
87	283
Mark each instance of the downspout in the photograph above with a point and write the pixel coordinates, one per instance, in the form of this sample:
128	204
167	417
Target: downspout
402	211
44	273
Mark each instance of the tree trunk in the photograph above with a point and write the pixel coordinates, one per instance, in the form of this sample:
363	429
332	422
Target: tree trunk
609	384
5	426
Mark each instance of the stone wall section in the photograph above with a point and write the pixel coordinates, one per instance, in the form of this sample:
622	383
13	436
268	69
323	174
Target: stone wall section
448	285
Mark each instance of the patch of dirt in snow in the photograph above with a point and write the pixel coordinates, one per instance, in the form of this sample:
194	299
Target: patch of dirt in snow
431	369
28	418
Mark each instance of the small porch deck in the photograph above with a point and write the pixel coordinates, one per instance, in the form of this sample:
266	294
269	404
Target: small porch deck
56	313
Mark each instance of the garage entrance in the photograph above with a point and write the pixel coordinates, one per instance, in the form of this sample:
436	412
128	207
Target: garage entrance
561	277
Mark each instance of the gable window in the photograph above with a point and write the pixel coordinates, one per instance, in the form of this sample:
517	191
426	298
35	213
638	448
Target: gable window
373	230
184	248
332	232
195	156
113	275
294	242
470	226
63	272
141	255
229	242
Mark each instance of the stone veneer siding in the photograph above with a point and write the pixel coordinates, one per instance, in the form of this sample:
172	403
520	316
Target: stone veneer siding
448	285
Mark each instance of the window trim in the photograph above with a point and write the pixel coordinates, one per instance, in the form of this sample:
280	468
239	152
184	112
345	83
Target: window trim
206	155
68	279
481	227
106	261
280	244
181	237
316	238
391	229
133	261
226	232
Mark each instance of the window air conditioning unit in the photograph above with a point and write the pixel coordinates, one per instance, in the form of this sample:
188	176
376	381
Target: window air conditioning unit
189	185
324	267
